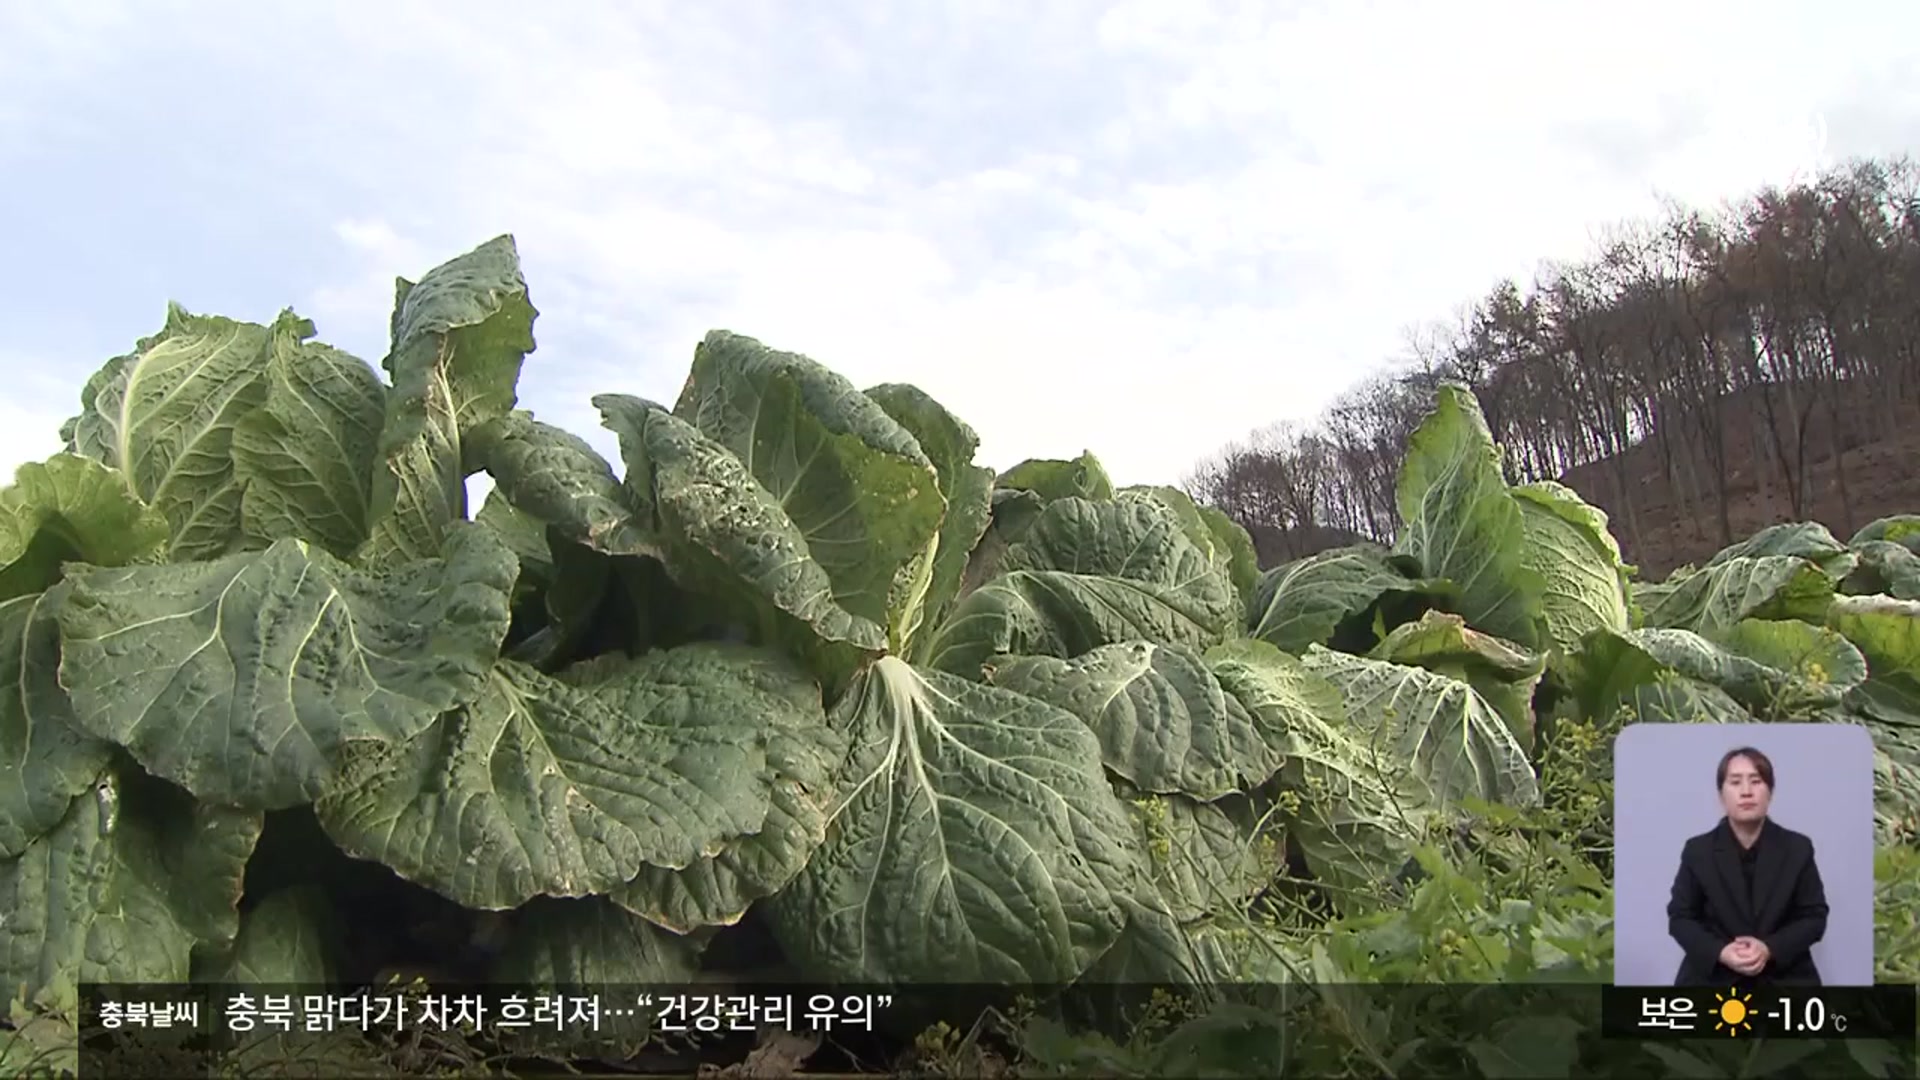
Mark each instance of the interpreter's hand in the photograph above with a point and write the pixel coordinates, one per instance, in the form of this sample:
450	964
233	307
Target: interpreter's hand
1762	955
1733	954
1745	955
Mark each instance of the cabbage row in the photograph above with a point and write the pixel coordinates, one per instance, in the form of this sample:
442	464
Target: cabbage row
797	654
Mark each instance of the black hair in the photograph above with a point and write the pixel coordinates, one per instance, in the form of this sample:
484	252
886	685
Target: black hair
1761	764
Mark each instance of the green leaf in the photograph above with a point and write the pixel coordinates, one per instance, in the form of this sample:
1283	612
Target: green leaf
524	534
1462	524
724	535
1569	546
1201	857
718	890
1887	633
1808	654
555	478
1232	542
1200	957
124	889
1436	728
1307	601
1902	529
1672	698
590	942
1896	799
244	679
1612	672
1088	574
1185	511
968	490
1282	693
1157	947
1775	669
1231	1039
1014	512
71	509
164	415
288	938
1362	777
1360	811
305	457
1529	1048
976	840
1807	540
568	786
1054	1049
1164	723
854	482
1082	478
459	337
591	604
644	610
1502	673
34	1043
47	761
1885	567
1709	600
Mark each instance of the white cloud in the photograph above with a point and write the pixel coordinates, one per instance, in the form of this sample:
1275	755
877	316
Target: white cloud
367	299
1141	227
35	404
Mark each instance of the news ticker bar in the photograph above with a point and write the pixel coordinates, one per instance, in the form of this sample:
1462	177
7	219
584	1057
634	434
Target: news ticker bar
245	1010
239	1011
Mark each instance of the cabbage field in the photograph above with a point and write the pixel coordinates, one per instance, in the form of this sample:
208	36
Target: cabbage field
797	686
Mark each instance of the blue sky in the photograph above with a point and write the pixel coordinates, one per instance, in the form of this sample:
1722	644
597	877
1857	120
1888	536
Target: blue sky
1143	228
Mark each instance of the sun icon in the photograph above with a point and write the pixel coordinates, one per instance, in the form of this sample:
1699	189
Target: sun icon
1733	1011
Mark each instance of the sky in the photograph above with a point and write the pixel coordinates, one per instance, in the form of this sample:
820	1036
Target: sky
1143	228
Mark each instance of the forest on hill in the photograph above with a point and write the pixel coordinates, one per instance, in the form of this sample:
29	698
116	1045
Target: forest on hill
1698	376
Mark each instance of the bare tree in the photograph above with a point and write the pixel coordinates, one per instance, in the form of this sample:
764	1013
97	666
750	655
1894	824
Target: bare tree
1698	376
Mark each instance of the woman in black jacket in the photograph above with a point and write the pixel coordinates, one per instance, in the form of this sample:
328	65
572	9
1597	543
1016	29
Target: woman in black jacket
1747	905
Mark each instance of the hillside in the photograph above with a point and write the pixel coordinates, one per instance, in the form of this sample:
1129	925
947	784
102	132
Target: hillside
1663	528
1698	376
1667	524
